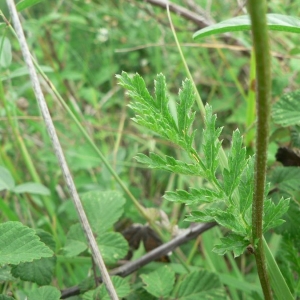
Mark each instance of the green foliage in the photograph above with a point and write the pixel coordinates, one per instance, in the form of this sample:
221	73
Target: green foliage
201	285
103	210
229	202
286	111
121	285
39	271
7	183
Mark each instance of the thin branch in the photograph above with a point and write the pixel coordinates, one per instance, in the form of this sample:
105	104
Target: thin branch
58	150
158	252
185	13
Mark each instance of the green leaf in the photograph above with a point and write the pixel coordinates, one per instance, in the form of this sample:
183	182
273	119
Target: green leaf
236	164
6	180
201	285
211	143
5	273
229	220
246	187
161	101
195	196
275	22
103	209
286	178
154	115
44	293
160	282
185	117
232	242
273	212
19	243
207	214
32	188
26	3
120	284
113	246
5	52
76	242
168	163
38	271
286	111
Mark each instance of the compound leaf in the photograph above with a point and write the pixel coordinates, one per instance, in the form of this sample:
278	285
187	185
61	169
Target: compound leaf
211	143
232	242
170	164
236	164
194	196
272	213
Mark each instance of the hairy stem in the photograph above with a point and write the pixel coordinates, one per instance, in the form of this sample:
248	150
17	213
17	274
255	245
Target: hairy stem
257	11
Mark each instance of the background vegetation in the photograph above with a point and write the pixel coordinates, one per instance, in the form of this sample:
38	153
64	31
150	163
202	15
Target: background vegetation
81	45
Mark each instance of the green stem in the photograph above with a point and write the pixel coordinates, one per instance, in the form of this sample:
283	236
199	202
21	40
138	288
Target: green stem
257	11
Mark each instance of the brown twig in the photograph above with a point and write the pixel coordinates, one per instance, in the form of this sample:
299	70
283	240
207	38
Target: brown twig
164	249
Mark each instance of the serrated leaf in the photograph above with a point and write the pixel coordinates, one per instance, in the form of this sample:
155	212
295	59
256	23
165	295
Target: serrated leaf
286	111
120	284
236	164
211	143
6	180
194	196
207	214
113	246
103	209
31	188
38	271
44	293
184	115
19	243
231	221
275	22
170	164
286	178
76	242
201	285
154	115
246	187
161	101
233	242
272	213
160	282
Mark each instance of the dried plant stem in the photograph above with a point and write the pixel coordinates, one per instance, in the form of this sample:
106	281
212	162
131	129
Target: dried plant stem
257	11
58	150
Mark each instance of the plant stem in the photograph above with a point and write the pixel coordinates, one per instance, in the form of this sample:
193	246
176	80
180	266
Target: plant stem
257	11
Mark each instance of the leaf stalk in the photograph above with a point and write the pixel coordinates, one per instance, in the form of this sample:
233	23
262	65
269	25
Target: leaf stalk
257	11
